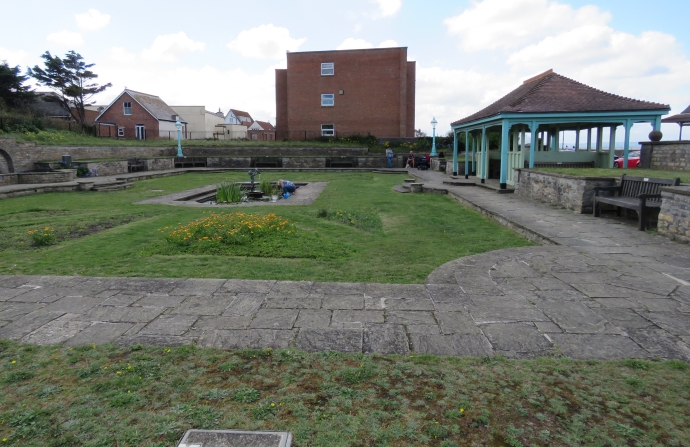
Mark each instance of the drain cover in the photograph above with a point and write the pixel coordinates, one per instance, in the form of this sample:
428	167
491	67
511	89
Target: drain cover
235	438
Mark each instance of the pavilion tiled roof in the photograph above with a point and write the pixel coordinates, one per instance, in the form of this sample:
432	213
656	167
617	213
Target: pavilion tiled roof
683	117
550	92
265	125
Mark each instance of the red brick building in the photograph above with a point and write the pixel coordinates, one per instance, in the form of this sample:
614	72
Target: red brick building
340	93
141	116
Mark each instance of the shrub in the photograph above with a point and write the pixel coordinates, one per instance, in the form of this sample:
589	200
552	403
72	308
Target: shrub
83	171
228	193
43	237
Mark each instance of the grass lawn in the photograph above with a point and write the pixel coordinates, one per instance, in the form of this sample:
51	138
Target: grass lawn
64	138
105	234
143	396
612	172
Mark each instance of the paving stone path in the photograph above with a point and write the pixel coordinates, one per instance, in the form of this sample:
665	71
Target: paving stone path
606	291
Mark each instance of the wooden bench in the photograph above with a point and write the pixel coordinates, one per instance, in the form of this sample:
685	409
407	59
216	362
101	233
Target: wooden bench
562	164
641	194
135	165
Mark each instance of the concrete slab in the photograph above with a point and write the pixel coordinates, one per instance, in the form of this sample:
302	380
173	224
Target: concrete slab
205	305
517	340
98	334
386	339
274	319
235	438
245	304
169	325
341	340
598	347
460	345
247	339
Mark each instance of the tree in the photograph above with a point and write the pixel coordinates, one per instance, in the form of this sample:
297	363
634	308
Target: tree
419	133
71	79
13	94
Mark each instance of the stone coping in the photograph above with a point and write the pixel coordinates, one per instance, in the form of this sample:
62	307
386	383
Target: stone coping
665	143
557	174
683	189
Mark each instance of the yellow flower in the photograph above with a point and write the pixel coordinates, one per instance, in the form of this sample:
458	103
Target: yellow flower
14	361
462	410
119	372
272	404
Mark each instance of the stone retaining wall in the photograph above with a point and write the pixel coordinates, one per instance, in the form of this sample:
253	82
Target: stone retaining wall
674	217
674	155
572	192
24	155
100	168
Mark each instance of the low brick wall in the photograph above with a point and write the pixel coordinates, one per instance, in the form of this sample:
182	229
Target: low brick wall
674	216
673	155
569	191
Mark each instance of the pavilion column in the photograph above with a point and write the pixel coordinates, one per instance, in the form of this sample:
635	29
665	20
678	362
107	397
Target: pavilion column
577	139
600	138
522	139
589	139
467	157
533	146
482	174
474	154
557	140
516	135
455	152
612	146
504	154
626	144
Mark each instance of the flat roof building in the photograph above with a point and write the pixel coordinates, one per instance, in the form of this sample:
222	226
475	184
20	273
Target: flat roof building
346	92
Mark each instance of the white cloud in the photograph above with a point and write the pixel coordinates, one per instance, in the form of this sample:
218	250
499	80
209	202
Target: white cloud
14	57
494	24
354	44
65	38
532	36
265	42
92	20
170	47
388	8
360	44
390	43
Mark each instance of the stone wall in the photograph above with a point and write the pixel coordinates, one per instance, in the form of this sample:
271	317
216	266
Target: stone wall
674	217
674	155
159	164
572	192
24	155
63	175
8	179
100	168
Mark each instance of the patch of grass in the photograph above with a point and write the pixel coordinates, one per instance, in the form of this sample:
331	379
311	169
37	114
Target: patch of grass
149	396
107	234
364	220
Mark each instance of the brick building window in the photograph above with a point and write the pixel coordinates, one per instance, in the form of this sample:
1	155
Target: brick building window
327	69
120	131
327	130
128	107
327	100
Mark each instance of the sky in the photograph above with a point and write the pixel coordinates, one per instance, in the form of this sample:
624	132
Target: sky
469	53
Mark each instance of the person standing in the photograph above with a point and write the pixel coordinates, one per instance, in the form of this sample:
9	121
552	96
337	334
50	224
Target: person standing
389	156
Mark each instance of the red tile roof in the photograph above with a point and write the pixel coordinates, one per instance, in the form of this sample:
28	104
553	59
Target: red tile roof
550	92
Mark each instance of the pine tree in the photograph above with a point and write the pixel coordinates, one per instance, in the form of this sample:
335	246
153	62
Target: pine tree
71	79
13	94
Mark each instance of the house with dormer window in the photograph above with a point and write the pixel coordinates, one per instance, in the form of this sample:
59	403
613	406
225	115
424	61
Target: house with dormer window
142	116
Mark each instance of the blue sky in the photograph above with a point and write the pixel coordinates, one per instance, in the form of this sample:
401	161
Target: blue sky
468	53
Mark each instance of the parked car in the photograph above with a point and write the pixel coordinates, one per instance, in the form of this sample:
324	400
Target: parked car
633	160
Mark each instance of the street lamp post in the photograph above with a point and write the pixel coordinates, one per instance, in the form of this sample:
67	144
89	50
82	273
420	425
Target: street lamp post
178	125
433	137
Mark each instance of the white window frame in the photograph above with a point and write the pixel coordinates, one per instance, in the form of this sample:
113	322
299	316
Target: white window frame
327	69
120	131
127	108
328	130
327	100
